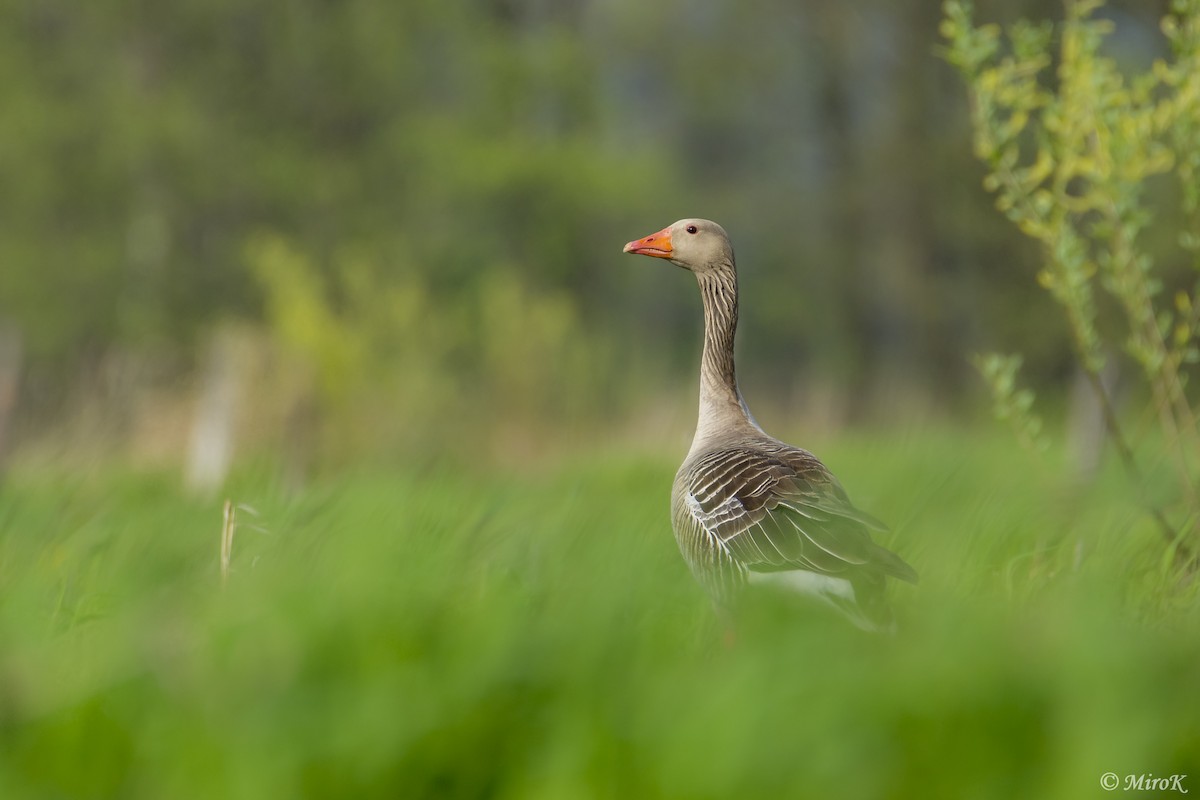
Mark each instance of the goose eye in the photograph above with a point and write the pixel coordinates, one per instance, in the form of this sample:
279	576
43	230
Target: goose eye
691	228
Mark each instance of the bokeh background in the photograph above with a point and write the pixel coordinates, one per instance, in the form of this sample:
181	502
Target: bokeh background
337	433
375	228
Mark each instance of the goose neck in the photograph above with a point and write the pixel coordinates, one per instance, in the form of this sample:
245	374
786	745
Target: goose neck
721	404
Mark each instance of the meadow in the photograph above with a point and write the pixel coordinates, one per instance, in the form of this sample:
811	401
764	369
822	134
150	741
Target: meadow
355	268
438	630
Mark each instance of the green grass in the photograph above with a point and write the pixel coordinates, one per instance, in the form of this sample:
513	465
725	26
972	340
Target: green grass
536	635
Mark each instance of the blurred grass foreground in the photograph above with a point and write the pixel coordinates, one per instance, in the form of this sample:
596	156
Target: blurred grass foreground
336	438
461	634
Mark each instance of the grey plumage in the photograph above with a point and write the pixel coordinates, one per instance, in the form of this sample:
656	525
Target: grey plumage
746	507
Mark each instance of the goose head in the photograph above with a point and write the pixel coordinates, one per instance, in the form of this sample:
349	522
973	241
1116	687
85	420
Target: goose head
699	245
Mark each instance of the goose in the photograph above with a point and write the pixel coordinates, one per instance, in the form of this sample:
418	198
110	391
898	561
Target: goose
747	508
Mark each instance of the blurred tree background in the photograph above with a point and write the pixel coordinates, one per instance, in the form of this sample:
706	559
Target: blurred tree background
347	229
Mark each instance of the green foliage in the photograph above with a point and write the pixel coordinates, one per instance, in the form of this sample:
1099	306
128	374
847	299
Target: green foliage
379	346
455	634
144	150
1012	405
1070	158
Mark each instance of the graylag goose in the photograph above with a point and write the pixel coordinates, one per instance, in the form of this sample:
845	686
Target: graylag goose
746	507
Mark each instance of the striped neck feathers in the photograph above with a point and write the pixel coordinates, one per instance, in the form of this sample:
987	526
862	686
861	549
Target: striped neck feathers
721	405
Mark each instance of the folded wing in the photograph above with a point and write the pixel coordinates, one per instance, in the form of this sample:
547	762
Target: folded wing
778	510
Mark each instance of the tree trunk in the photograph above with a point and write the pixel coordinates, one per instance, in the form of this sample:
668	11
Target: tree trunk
211	446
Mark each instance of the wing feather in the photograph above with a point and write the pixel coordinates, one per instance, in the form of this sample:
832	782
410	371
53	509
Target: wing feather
778	508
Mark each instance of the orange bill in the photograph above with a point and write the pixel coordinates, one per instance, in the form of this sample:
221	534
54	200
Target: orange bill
656	244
